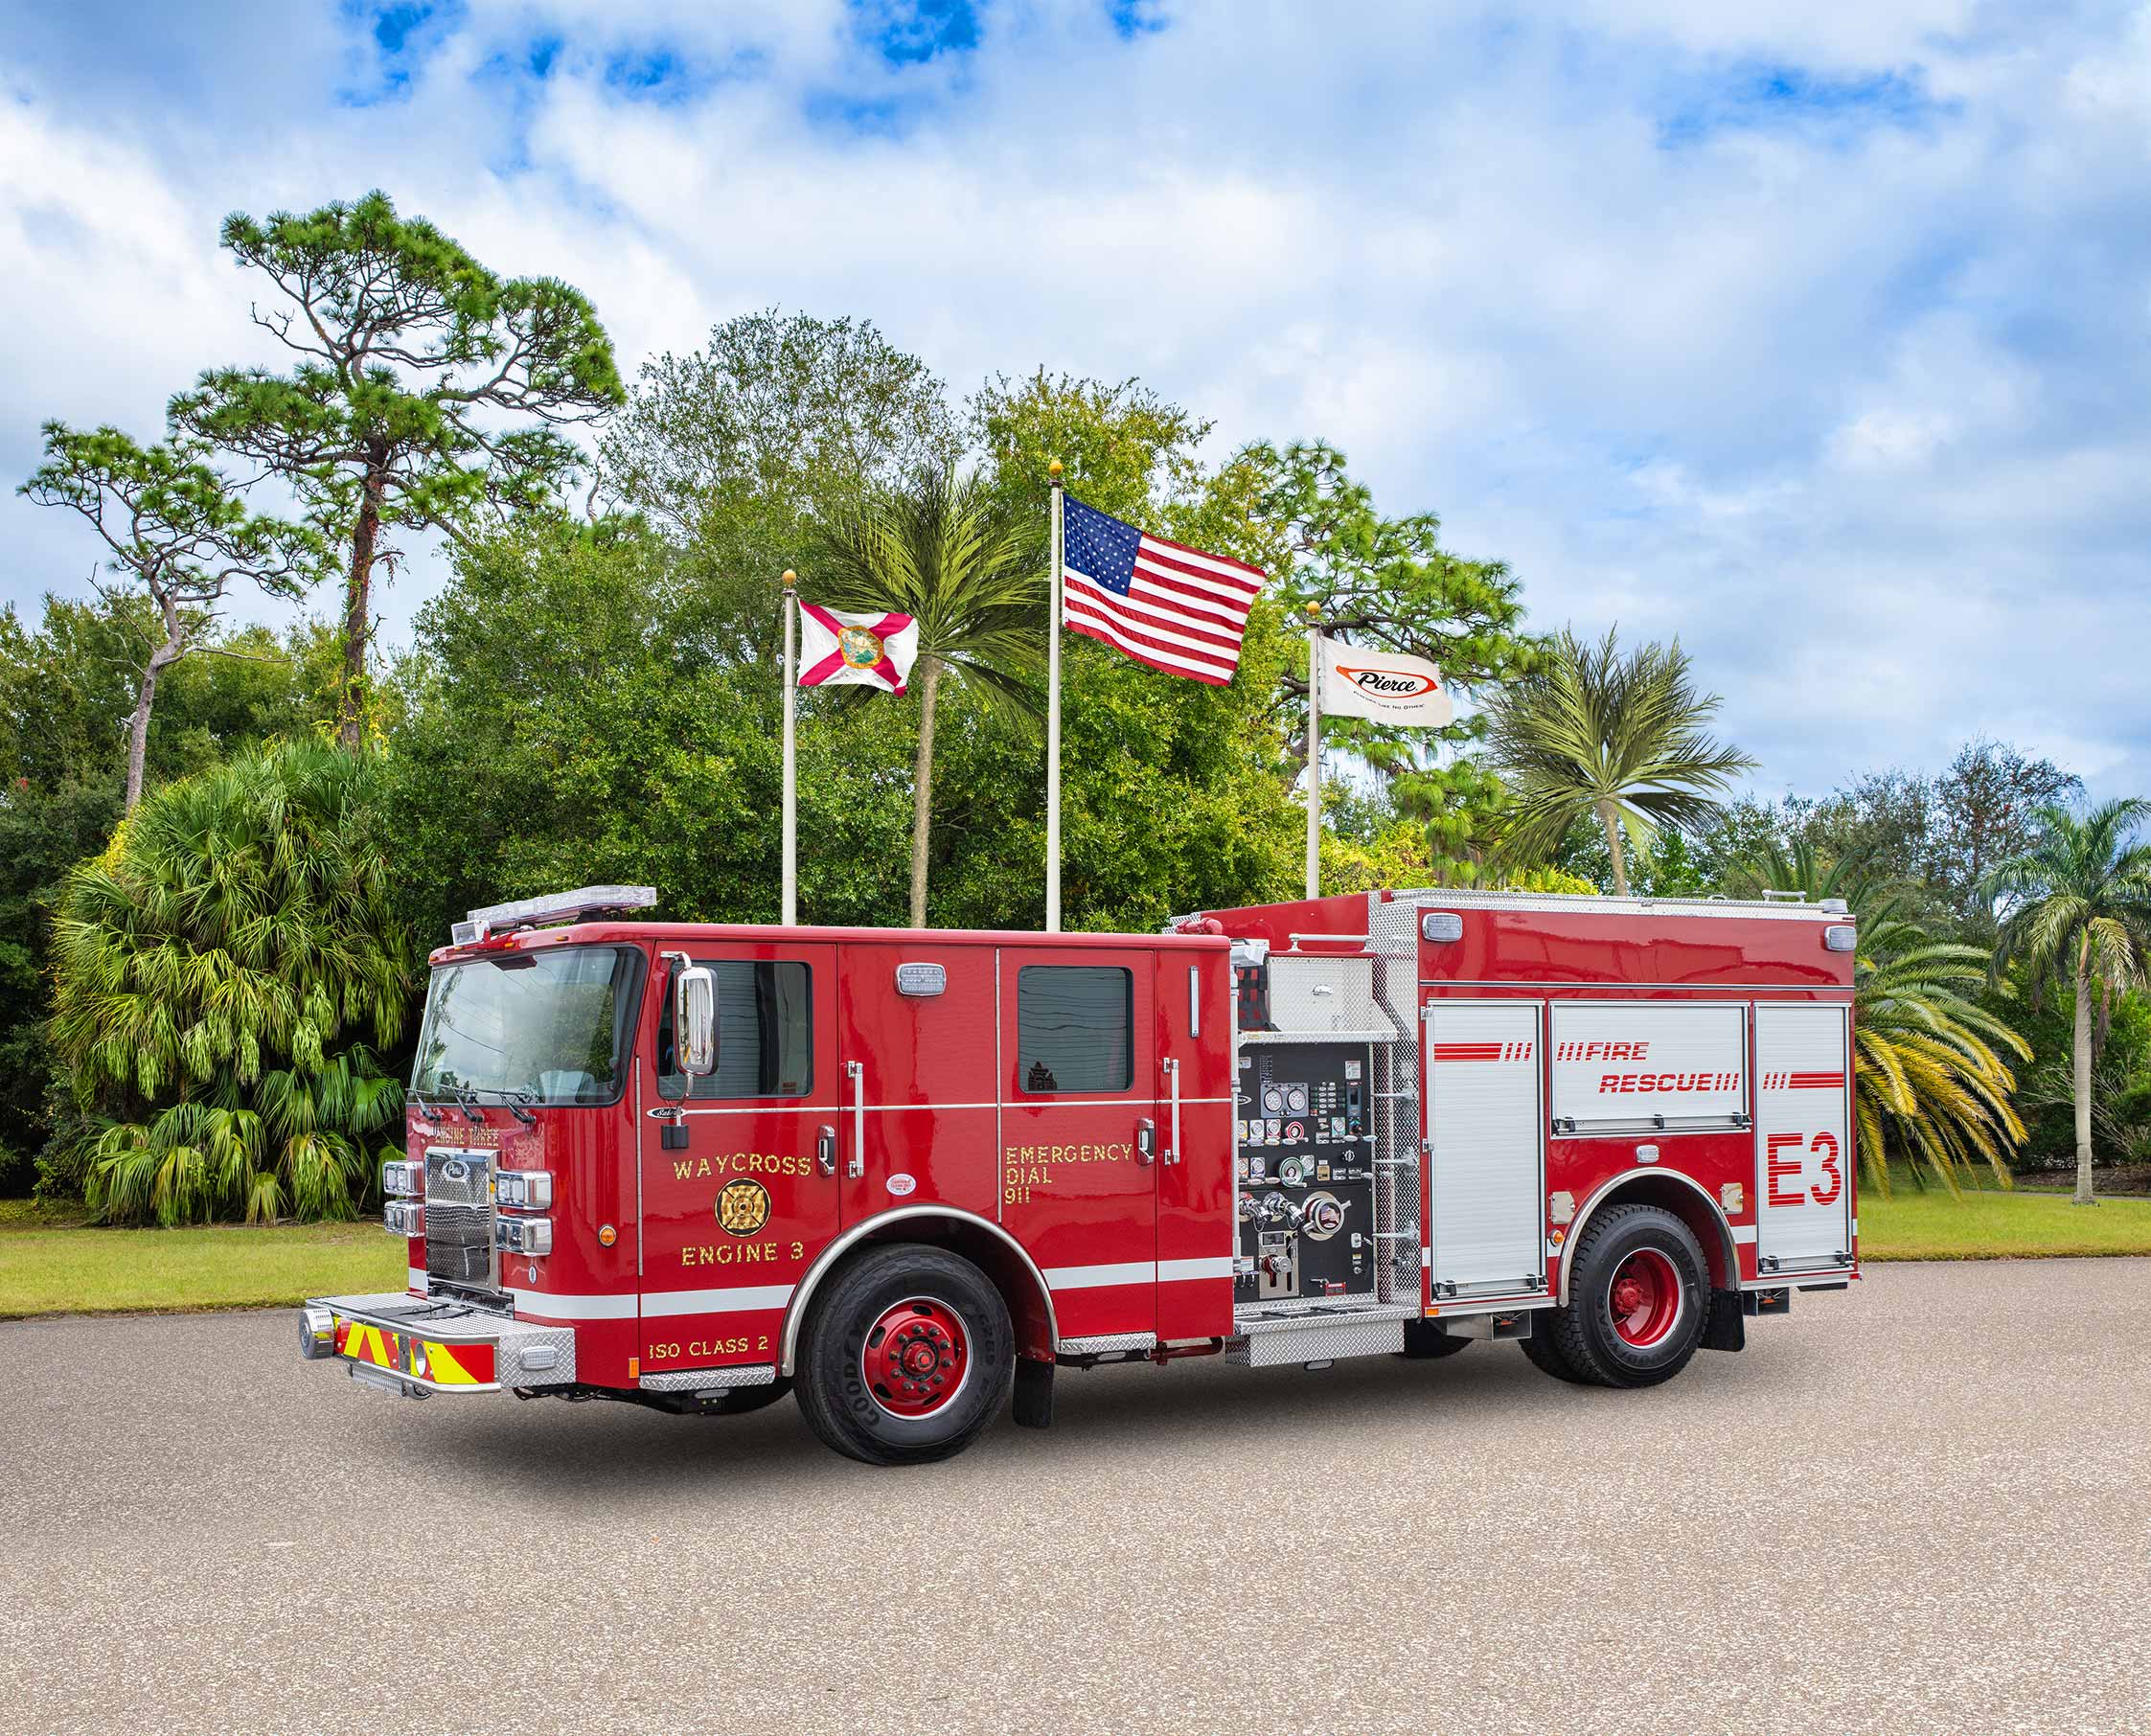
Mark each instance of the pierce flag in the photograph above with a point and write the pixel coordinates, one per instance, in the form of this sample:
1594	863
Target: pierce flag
839	647
1384	686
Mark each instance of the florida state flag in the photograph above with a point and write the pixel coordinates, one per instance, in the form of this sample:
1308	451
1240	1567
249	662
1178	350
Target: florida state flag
837	646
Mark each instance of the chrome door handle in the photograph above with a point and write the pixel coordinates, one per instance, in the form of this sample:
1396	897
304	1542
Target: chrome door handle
1173	1141
858	1165
1146	1142
825	1149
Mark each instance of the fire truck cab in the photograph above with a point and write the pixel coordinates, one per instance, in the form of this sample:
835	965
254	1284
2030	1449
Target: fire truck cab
900	1174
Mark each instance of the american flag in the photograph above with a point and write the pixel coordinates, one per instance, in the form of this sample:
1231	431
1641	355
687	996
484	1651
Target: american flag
1164	604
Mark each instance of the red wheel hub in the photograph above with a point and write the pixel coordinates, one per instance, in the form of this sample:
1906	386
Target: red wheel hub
1644	1298
916	1357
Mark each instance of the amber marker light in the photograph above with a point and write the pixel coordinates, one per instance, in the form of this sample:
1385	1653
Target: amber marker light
606	1234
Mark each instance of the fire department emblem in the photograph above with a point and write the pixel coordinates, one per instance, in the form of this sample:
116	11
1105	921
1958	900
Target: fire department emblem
859	646
743	1207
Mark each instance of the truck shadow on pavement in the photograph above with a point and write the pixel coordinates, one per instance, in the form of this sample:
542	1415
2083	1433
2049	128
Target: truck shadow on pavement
600	1454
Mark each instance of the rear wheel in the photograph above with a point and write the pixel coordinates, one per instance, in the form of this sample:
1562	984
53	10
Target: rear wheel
1639	1299
1544	1352
1423	1338
906	1357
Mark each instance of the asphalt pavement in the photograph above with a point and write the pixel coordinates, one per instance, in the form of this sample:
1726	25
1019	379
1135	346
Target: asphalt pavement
1923	1505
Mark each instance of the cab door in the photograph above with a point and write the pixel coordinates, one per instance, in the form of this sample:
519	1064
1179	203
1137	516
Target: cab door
739	1168
1080	1130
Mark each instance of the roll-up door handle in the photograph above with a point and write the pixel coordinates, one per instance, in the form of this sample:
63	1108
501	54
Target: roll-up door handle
1146	1142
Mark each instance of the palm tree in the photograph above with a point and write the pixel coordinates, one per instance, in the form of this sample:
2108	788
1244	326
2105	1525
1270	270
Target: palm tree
2079	908
214	970
944	551
1929	1083
1593	732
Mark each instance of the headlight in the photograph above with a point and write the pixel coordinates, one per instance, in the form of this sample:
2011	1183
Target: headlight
523	1190
404	1217
405	1178
525	1235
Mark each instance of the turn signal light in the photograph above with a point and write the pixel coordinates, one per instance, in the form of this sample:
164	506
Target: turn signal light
405	1178
404	1217
525	1235
523	1190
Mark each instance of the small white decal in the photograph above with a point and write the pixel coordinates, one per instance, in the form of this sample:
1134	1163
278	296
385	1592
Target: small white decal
899	1184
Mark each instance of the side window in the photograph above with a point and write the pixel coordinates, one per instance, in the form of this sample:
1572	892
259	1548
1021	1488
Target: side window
1075	1028
765	1033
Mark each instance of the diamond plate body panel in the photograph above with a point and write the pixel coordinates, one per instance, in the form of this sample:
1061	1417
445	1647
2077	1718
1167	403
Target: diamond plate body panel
708	1380
1315	1341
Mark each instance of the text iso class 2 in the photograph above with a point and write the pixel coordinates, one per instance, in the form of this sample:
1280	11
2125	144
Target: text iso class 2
1306	1171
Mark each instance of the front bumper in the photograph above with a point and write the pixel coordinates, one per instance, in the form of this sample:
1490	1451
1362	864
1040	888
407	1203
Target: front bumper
417	1345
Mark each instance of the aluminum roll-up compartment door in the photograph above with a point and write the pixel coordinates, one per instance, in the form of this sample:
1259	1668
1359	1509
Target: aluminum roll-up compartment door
1803	1145
1486	1175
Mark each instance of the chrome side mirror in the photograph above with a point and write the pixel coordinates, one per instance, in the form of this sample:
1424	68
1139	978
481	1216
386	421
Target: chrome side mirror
695	1020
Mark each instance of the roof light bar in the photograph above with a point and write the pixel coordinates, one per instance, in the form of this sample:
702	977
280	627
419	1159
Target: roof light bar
553	907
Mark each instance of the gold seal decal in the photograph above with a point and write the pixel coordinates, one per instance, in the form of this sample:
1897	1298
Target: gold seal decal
743	1207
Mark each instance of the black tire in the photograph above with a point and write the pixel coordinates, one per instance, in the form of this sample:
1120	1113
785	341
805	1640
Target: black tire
1424	1340
1544	1351
850	1410
1584	1333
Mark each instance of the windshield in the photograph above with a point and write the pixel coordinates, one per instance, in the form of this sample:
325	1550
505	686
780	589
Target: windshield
530	1027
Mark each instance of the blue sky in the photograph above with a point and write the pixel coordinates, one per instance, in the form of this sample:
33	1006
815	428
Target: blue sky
1818	335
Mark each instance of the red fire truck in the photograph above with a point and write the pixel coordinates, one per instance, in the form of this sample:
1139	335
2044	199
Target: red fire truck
901	1173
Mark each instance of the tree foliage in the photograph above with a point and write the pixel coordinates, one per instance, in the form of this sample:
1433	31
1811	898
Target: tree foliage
173	527
733	449
970	573
225	974
2077	909
427	390
1931	1088
1624	739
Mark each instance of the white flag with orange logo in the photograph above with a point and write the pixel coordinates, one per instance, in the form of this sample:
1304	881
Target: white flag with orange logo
837	648
1383	686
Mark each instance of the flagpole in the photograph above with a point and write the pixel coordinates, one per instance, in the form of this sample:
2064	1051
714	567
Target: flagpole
791	902
1314	750
1053	720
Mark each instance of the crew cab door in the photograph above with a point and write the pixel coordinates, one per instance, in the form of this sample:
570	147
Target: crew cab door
1080	1130
1803	1139
738	1182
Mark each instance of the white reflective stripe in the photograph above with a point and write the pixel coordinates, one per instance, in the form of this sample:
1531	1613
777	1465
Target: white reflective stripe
1425	1258
1095	1278
1175	1271
716	1301
414	1279
574	1308
1744	1233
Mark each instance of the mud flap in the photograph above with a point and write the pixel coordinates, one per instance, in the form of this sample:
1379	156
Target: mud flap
1033	1405
1727	1329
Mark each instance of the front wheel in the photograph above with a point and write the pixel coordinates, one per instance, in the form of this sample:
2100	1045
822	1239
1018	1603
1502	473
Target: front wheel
1639	1299
906	1357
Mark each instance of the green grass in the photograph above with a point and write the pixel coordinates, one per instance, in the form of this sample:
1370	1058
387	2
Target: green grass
51	1263
1988	1224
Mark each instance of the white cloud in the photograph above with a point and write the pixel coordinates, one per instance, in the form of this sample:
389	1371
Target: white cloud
1814	335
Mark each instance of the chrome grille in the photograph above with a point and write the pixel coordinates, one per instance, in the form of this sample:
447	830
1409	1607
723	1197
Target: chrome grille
459	1214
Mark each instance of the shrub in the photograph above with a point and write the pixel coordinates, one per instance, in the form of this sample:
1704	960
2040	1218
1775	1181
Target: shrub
216	972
